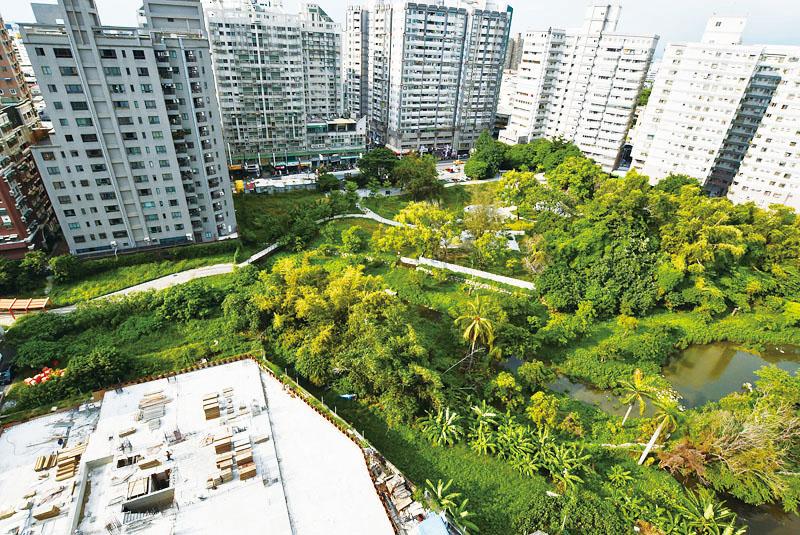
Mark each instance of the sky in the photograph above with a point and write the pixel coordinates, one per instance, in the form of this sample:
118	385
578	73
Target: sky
769	21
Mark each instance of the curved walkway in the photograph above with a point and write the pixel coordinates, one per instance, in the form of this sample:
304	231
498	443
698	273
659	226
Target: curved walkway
183	277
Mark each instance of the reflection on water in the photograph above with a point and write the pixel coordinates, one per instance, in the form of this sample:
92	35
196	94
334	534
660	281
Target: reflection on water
766	519
599	398
705	373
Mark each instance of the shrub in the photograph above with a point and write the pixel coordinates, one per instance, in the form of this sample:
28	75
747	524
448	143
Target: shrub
64	267
354	239
194	300
96	369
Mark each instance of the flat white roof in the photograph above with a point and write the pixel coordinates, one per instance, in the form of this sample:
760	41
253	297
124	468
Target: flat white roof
310	478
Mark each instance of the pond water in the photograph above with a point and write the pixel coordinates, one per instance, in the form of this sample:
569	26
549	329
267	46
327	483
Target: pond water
708	372
765	520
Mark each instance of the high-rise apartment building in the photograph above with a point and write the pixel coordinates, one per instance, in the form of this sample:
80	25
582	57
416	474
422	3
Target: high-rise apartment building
514	52
26	216
770	171
279	80
581	85
433	72
708	102
136	158
356	50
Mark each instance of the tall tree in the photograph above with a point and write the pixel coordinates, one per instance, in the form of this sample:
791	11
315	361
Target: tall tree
478	328
376	164
668	415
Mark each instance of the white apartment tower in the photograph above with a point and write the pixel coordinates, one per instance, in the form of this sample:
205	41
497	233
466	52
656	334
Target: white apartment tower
356	49
136	158
581	85
433	72
770	171
709	100
279	82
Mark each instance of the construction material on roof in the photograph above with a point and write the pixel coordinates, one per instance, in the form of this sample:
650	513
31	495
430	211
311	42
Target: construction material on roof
46	511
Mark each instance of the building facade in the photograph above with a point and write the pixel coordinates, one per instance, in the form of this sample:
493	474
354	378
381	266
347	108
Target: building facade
514	52
708	102
279	77
136	158
433	72
355	58
26	215
581	85
770	170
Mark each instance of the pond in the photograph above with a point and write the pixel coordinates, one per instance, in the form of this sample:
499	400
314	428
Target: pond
703	373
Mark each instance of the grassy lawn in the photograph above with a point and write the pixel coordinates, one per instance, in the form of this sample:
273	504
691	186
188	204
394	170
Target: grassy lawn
453	199
497	493
126	276
257	214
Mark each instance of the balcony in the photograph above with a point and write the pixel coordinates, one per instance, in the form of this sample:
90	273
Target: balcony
201	117
193	72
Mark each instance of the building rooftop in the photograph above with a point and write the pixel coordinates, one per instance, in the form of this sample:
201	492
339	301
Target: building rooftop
222	445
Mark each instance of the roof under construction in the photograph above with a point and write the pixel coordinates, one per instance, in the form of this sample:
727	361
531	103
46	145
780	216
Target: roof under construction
225	445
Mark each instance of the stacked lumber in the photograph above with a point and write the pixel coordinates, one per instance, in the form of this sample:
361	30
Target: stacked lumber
126	432
6	513
247	471
68	460
149	462
244	454
225	460
44	512
211	405
45	462
222	443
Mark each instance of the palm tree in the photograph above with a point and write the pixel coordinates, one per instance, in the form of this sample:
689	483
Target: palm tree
438	495
638	390
706	516
478	328
668	415
461	518
442	428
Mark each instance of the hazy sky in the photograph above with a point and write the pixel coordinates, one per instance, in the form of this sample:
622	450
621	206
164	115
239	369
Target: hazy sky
769	21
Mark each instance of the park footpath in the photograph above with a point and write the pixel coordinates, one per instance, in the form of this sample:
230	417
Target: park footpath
189	275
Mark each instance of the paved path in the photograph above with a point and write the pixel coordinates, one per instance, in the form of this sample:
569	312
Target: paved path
472	182
182	277
455	268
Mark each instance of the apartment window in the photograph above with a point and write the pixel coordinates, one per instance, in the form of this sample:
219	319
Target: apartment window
153	119
111	208
112	71
169	189
158	135
142	71
137	165
83	121
73	88
79	239
48	156
67	71
149	204
107	53
98	167
102	181
122	104
94	153
64	199
154	230
114	221
146	88
46	70
163	163
52	88
53	171
119	234
161	149
89	138
179	227
125	121
57	105
84	183
150	104
60	53
79	106
166	177
138	54
140	179
39	51
59	184
134	150
151	217
116	88
63	122
74	226
69	213
108	196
